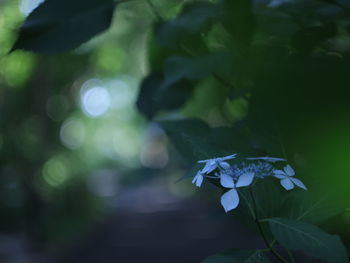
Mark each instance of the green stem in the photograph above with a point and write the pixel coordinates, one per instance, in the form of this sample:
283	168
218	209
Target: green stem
261	231
290	255
284	152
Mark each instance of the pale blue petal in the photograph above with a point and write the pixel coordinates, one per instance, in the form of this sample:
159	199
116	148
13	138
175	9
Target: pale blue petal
289	170
232	156
230	200
245	179
268	159
209	167
227	181
225	165
298	183
198	179
287	184
279	174
194	178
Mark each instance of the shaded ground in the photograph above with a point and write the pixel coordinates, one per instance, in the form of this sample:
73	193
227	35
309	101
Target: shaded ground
149	225
153	226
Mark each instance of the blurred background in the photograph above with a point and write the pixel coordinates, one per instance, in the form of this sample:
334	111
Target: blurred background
84	177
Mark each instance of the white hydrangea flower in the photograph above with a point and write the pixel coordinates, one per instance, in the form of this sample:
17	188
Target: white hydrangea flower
287	179
242	174
230	199
212	164
268	159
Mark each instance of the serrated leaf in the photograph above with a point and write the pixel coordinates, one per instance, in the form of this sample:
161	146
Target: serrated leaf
61	25
296	235
238	256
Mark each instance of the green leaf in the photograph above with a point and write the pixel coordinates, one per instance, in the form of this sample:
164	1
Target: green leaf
268	196
195	68
156	95
239	20
195	140
312	207
190	137
193	19
61	25
238	256
172	91
297	235
306	39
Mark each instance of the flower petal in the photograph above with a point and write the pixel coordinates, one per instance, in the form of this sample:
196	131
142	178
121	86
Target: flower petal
279	174
287	184
268	159
209	167
245	179
224	165
230	200
198	179
232	156
298	183
289	170
227	181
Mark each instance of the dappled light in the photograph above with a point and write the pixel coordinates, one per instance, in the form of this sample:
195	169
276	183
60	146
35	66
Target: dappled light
72	133
95	101
55	171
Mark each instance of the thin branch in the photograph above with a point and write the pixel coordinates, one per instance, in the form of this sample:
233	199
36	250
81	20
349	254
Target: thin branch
290	255
284	152
256	219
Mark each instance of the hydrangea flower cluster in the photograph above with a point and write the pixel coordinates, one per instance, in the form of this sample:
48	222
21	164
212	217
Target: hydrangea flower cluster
243	175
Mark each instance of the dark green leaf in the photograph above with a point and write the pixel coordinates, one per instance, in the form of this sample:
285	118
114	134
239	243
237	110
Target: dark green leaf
191	173
156	95
197	68
193	19
297	235
195	140
190	137
312	207
268	197
172	91
305	40
61	25
239	20
238	256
